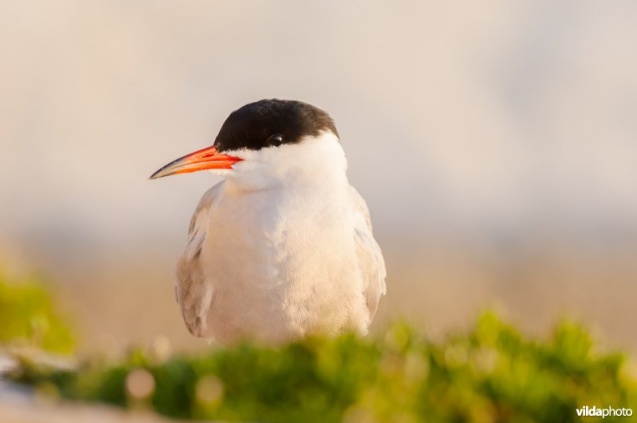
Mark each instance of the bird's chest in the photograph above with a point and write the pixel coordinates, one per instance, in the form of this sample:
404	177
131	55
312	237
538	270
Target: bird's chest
276	240
282	266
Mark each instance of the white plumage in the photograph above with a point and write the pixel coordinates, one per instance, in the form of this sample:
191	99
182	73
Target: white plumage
280	249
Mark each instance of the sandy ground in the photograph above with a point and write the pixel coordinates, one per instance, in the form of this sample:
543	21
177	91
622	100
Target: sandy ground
30	411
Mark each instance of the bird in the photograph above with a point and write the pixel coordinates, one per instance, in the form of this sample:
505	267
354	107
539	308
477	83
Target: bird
282	248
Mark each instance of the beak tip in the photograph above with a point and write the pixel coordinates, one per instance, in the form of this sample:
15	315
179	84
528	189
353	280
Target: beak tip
159	174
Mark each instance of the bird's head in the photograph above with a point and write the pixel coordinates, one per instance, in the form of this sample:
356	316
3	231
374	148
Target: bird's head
267	142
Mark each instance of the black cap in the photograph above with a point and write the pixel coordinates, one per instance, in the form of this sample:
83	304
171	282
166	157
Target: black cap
273	122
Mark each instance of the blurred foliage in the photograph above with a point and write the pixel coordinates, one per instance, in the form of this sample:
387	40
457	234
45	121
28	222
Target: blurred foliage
28	317
490	374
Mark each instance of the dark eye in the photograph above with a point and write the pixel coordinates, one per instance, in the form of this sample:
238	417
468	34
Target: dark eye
276	140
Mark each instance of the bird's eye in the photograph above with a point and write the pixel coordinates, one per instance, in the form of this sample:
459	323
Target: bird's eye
276	140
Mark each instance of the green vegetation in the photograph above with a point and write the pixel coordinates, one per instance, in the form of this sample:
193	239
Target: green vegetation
29	318
490	374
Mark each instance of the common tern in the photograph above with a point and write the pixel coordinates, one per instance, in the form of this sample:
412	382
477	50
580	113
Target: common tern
282	248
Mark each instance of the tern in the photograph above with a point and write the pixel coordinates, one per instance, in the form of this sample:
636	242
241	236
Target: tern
282	248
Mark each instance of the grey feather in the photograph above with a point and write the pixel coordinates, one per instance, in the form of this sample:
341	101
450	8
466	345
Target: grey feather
194	293
370	258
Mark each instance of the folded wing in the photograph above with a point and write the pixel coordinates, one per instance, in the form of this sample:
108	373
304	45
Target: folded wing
370	258
193	292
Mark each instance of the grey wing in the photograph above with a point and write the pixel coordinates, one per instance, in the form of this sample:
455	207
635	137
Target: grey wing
193	292
370	258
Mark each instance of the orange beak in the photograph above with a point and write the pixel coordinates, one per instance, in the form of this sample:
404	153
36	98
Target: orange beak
207	158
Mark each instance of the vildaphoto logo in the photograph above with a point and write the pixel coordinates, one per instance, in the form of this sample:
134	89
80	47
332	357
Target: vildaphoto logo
593	411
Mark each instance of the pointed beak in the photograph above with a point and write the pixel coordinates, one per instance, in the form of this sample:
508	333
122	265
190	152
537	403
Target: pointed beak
205	159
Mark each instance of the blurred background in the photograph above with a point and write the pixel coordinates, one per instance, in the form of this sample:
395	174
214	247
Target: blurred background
495	143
